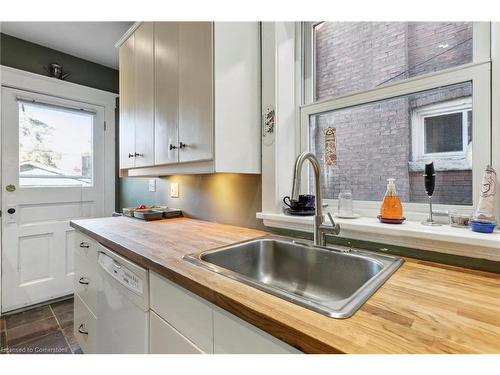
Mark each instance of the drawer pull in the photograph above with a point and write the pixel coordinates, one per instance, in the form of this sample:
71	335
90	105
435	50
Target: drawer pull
80	329
84	281
84	245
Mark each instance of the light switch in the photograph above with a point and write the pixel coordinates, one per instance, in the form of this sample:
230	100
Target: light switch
152	184
174	190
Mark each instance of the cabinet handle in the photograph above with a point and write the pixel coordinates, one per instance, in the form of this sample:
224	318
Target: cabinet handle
130	155
84	281
182	145
172	147
137	154
84	245
80	329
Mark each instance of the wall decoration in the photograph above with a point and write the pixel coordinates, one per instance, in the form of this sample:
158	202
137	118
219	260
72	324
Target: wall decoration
55	70
268	123
330	146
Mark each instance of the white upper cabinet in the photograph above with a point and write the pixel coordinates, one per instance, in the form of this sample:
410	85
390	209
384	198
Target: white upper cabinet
237	97
127	113
195	103
144	95
195	91
166	92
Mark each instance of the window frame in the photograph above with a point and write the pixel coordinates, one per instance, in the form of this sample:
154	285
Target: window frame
478	73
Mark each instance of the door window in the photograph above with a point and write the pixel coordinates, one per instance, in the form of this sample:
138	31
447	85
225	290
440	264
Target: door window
55	146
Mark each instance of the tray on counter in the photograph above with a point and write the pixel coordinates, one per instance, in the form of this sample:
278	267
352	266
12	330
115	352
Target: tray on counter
152	213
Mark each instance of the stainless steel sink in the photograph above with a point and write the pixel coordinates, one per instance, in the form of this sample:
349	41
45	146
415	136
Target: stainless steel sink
333	281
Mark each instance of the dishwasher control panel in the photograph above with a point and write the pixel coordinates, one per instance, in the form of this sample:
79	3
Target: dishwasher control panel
121	273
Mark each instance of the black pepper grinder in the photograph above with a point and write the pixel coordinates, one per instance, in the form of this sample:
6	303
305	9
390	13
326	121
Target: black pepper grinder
430	183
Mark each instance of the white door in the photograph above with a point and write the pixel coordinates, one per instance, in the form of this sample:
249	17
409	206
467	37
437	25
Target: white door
52	172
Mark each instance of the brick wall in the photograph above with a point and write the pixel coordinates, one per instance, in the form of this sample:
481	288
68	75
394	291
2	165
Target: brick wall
374	140
452	187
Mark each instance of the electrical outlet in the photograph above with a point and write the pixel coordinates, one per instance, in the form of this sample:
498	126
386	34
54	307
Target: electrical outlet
174	190
152	184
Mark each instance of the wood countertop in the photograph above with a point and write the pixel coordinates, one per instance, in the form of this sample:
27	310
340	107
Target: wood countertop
423	308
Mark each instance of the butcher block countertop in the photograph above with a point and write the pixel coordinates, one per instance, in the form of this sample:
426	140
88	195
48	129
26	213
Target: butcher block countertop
423	308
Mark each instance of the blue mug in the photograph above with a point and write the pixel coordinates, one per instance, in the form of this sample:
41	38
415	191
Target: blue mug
305	202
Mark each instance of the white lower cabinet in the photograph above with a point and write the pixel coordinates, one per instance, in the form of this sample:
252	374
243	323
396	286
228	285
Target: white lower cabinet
182	322
86	282
233	335
165	339
84	326
183	310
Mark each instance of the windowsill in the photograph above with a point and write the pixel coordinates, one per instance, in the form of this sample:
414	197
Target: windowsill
444	239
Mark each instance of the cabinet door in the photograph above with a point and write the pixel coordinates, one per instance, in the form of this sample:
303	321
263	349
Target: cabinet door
166	42
189	314
195	91
164	339
127	111
235	336
84	326
144	95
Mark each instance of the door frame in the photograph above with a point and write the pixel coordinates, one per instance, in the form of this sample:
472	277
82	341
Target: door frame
23	80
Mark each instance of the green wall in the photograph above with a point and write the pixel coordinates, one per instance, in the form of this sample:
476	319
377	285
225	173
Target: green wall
21	54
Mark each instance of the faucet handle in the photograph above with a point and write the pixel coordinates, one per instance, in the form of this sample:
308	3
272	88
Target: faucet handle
336	227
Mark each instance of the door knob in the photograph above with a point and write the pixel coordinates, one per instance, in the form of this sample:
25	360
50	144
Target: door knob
182	145
130	155
11	211
172	147
10	188
137	154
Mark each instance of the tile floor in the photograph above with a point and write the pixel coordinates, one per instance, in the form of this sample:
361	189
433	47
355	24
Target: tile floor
41	330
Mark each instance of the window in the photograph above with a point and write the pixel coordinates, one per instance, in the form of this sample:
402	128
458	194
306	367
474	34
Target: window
55	146
381	99
442	133
355	56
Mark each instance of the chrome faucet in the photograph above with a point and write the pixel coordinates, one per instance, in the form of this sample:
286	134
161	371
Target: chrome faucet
320	230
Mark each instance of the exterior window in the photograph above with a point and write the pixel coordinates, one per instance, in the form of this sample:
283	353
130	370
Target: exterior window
382	99
55	146
355	56
442	133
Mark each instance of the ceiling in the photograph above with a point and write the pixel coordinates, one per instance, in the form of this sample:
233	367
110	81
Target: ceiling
93	41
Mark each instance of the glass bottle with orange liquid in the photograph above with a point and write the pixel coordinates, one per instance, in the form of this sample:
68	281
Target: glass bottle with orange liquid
391	206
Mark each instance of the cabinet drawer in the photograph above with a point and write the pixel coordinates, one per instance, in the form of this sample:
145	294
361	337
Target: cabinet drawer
86	246
84	326
86	281
186	312
233	335
164	339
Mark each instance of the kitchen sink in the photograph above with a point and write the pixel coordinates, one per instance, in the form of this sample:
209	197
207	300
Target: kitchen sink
334	281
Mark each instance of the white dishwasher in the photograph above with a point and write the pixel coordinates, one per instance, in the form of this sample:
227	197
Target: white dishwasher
122	310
